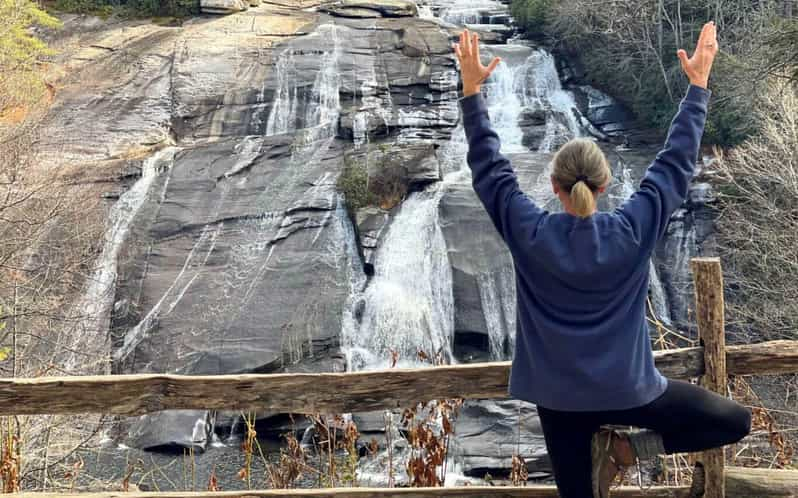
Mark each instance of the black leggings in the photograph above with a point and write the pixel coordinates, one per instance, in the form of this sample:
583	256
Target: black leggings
689	418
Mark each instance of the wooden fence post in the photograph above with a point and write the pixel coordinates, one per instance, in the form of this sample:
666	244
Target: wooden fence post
708	282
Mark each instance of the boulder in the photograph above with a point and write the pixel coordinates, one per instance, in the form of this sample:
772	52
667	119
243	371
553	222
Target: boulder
371	8
157	431
490	432
533	126
394	169
371	221
604	112
224	6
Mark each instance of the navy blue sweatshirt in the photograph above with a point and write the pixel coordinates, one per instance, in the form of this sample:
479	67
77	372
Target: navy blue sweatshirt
582	341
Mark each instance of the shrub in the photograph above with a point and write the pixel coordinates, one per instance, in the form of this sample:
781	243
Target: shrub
758	222
20	53
531	15
354	183
135	8
628	49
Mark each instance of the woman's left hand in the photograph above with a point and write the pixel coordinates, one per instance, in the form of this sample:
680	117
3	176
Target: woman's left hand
472	71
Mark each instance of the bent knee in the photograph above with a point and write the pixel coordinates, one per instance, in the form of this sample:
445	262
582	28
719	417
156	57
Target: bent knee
738	423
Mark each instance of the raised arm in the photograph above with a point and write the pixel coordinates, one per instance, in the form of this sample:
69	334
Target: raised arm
514	215
664	186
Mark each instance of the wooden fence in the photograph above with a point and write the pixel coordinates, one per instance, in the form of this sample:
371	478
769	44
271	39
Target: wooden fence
713	361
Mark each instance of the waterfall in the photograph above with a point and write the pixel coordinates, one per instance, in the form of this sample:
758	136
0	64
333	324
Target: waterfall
325	100
659	299
98	298
497	296
505	105
408	306
425	12
282	118
546	92
323	105
465	12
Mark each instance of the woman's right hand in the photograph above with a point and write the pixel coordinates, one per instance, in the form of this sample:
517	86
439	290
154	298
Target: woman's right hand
698	67
472	71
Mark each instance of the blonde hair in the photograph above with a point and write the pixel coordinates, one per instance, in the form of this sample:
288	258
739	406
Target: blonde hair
581	168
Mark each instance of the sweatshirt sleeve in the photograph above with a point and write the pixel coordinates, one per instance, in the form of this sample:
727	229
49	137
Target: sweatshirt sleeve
513	213
665	184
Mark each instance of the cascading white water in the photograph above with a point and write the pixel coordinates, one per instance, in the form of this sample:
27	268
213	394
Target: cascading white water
408	305
425	12
464	12
497	297
323	107
98	299
659	299
284	106
505	105
546	92
325	98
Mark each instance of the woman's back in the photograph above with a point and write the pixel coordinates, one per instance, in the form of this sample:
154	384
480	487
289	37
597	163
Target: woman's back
582	342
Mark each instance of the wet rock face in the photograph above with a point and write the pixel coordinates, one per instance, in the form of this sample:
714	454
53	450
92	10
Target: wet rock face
603	111
371	222
482	272
691	233
218	268
223	219
142	85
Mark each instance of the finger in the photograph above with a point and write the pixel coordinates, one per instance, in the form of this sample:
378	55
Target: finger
475	46
682	54
705	35
708	41
495	62
456	47
713	32
466	43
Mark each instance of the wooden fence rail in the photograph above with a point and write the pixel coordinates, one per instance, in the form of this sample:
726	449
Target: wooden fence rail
328	392
740	483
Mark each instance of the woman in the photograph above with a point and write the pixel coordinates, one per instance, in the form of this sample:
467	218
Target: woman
583	353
